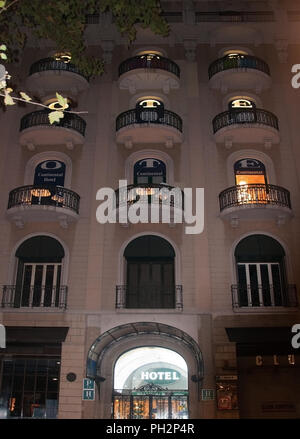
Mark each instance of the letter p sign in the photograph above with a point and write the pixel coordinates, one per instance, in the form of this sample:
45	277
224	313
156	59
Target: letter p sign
2	337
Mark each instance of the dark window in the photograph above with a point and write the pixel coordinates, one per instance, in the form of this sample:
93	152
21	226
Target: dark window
150	273
39	272
149	170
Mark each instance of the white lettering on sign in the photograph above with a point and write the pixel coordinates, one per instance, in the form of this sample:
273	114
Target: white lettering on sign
167	376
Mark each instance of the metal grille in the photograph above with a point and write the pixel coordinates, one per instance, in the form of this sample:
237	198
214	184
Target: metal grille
46	64
70	120
249	116
249	296
175	294
36	296
261	194
238	62
149	115
57	196
145	62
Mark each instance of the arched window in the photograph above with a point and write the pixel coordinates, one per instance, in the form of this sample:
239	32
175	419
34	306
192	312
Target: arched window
50	172
260	265
150	273
149	170
249	171
39	269
250	177
149	109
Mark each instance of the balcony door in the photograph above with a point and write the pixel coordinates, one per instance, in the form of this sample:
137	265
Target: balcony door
150	283
39	272
150	273
41	284
260	266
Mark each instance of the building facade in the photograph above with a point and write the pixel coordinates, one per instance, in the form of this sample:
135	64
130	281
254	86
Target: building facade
145	320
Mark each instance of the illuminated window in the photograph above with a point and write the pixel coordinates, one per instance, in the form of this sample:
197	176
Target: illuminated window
249	171
150	54
53	104
241	103
250	176
150	103
235	53
63	56
150	383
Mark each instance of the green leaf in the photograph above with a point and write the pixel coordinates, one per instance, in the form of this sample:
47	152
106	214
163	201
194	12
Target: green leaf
3	47
3	55
63	102
2	3
55	116
8	100
25	96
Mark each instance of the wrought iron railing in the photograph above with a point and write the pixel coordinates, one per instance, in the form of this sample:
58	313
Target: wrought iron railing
264	296
238	62
45	195
235	16
37	118
161	194
47	64
149	296
149	62
52	296
242	116
149	115
261	194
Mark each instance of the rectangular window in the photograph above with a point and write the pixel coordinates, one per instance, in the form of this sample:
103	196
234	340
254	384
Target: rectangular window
29	387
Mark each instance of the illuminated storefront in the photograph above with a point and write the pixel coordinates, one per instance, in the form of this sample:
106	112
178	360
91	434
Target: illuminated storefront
150	382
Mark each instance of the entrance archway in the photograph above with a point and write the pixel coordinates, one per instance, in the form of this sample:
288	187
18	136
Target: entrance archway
112	346
150	383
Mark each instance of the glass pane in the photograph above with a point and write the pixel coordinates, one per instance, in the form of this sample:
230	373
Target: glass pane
254	285
37	290
242	296
49	285
122	407
160	408
279	300
179	407
265	285
140	407
26	285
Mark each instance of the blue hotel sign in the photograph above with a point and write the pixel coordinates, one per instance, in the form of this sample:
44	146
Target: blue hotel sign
88	392
50	172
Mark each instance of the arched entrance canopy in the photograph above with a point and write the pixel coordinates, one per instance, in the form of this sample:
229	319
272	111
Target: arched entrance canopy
118	333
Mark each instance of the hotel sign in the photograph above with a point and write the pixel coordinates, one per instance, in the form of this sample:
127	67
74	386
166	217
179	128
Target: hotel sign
50	172
160	376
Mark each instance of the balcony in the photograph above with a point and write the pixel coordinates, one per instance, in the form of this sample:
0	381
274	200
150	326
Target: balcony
240	126
148	127
165	203
152	297
255	202
148	72
43	203
268	298
241	72
34	297
35	130
49	75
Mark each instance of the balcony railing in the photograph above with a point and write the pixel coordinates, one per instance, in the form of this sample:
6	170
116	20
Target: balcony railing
47	64
34	296
40	118
56	196
238	62
149	62
149	296
160	194
241	116
259	194
150	116
259	296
